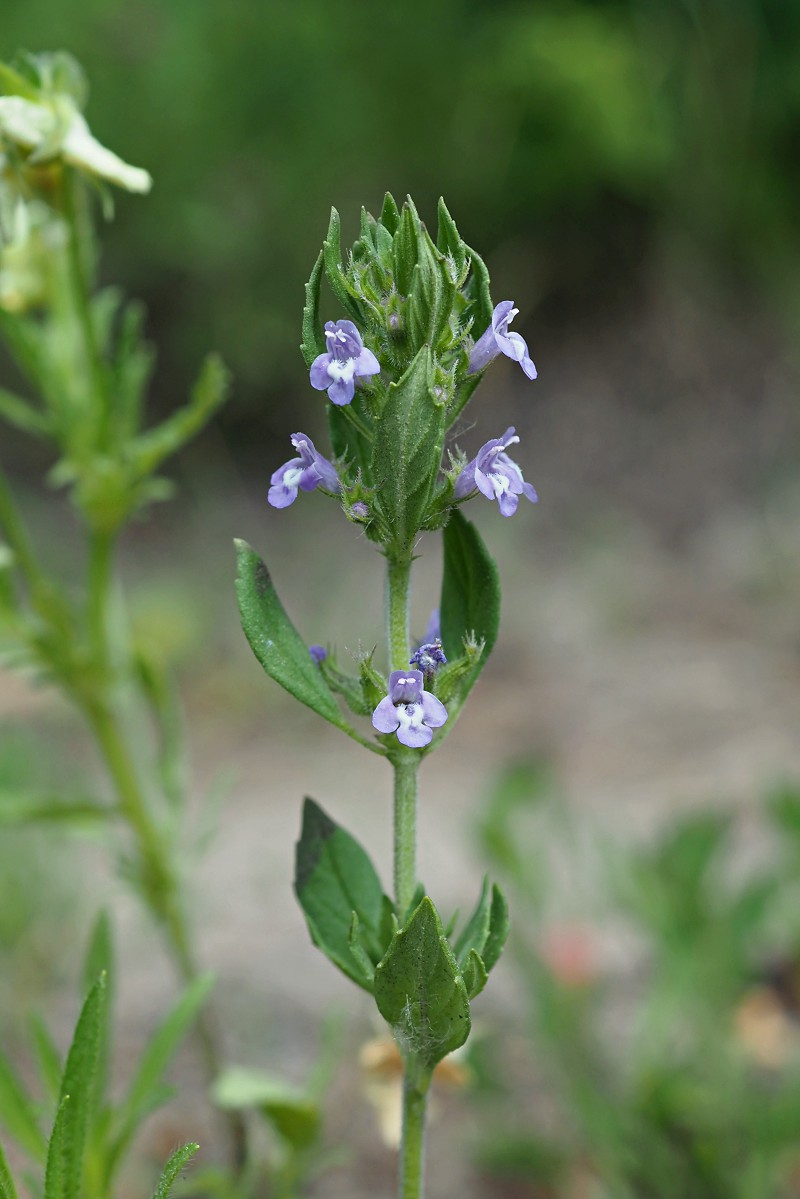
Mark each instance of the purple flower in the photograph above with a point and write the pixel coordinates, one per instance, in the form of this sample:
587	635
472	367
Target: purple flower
497	340
347	359
318	653
305	473
408	710
495	475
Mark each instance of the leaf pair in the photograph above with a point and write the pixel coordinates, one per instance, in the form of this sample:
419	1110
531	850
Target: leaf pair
421	984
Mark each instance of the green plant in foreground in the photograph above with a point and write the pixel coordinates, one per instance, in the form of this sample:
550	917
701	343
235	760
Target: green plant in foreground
85	364
91	1132
399	368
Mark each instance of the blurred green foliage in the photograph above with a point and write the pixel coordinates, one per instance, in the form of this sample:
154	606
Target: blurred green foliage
574	136
676	1069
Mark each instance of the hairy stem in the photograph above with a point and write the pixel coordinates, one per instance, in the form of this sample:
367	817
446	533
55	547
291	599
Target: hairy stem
411	1176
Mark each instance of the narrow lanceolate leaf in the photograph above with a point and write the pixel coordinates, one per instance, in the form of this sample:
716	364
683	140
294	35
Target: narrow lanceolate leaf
17	1114
408	450
147	1090
313	342
47	1056
22	415
475	974
58	1153
476	930
420	991
275	641
334	267
17	808
498	929
77	1086
478	293
7	1188
173	1168
208	394
334	878
470	606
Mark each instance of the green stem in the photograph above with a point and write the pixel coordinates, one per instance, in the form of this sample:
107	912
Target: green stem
398	594
81	292
161	886
411	1179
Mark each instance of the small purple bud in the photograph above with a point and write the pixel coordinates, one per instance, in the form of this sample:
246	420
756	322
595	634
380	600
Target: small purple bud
360	510
429	657
495	475
497	340
346	360
318	653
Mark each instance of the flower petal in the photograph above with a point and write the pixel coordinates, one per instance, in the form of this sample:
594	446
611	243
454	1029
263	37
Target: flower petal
385	718
367	363
320	378
414	733
341	391
433	710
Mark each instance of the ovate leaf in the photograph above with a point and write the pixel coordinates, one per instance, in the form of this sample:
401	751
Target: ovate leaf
275	641
334	878
420	991
470	606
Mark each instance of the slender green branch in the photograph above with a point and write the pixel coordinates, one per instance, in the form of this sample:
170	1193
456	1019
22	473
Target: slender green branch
17	537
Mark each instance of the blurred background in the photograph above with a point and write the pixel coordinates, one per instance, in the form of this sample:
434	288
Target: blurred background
629	169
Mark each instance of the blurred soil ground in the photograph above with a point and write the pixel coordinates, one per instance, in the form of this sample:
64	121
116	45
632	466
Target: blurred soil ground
650	651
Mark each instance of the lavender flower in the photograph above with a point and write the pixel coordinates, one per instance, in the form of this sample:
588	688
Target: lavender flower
347	359
408	710
318	653
495	475
497	340
305	473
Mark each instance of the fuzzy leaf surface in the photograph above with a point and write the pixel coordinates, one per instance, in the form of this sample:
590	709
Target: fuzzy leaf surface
420	991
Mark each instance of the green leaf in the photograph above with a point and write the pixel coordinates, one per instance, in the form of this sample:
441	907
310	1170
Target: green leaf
390	214
7	1188
405	248
420	991
498	929
99	960
448	239
50	1065
358	951
478	293
476	930
58	1153
334	268
18	1113
22	415
470	604
208	394
146	1090
334	877
408	451
77	1087
313	342
292	1113
173	1168
16	809
275	641
475	974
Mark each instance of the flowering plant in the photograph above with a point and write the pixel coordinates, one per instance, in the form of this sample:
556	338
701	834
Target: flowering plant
399	368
